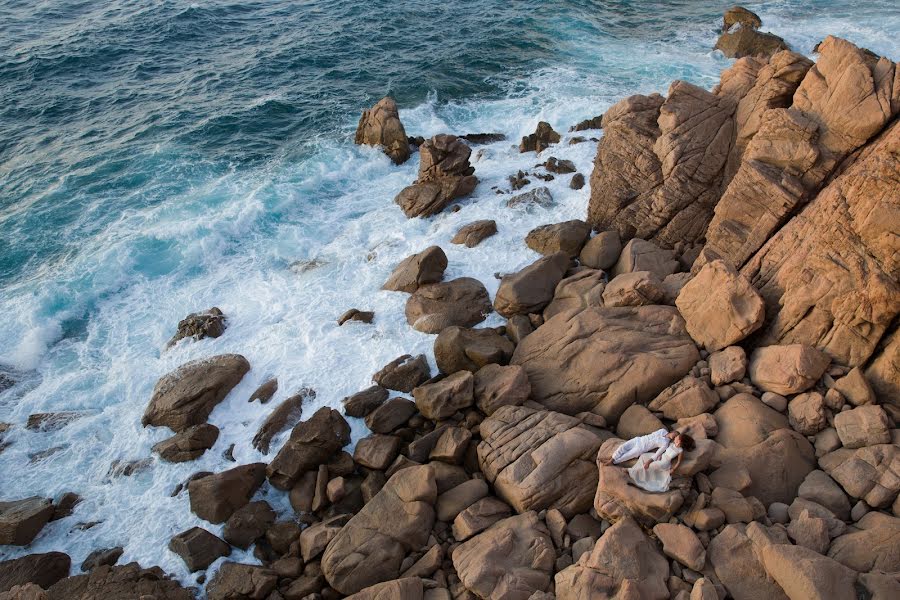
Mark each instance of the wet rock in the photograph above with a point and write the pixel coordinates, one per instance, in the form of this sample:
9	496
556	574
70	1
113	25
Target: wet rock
483	138
559	166
403	373
51	421
602	360
370	548
531	289
362	403
187	395
539	459
443	398
312	443
391	415
592	123
22	520
248	523
99	558
381	126
265	392
601	251
444	156
788	369
513	558
216	497
474	233
428	198
198	548
541	139
432	308
461	348
577	181
537	197
210	323
40	569
741	17
568	237
417	270
444	175
354	314
287	414
126	581
623	563
189	444
720	307
236	580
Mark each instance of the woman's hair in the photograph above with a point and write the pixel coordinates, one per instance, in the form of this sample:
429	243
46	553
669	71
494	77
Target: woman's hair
687	442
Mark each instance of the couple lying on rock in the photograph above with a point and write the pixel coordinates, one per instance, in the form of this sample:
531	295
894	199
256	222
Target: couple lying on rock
653	470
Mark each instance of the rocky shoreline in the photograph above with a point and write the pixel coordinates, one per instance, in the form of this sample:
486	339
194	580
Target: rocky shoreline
736	277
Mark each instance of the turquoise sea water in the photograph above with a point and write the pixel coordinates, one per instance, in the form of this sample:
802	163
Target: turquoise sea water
158	158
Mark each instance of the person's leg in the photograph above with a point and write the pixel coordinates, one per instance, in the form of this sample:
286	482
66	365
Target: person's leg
630	449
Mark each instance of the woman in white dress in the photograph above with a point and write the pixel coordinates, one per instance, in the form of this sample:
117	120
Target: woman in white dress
653	471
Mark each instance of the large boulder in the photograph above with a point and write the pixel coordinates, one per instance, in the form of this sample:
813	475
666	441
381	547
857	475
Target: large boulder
381	126
543	137
871	473
603	360
442	399
568	237
216	497
531	289
687	398
22	520
863	426
787	369
871	545
576	292
759	440
236	580
739	567
403	373
126	581
443	156
198	548
883	373
512	559
370	548
408	588
463	349
720	308
640	288
539	459
497	386
434	307
617	498
312	443
286	415
624	563
601	251
444	175
804	573
417	270
188	394
474	233
745	41
188	444
40	569
641	255
428	198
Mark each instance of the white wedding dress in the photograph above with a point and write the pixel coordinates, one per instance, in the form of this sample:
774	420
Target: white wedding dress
658	476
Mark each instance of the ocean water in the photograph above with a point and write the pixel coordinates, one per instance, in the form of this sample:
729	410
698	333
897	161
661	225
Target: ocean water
159	158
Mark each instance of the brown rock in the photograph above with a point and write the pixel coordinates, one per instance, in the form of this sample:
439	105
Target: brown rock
640	288
749	42
403	373
804	573
497	386
602	360
687	398
236	580
463	349
539	459
855	388
738	566
248	523
370	548
216	497
512	559
188	444
198	548
869	473
577	181
624	563
188	394
727	365
265	392
420	269
871	546
540	197
820	488
540	140
451	445
40	569
568	237
354	314
578	291
738	15
381	126
618	499
391	415
863	426
104	557
434	307
286	415
408	588
559	166
22	520
315	538
126	581
601	251
457	499
786	369
444	156
443	398
478	517
531	289
312	443
197	326
474	233
637	421
720	307
810	532
737	507
807	413
377	451
682	544
883	373
641	255
428	198
51	421
362	403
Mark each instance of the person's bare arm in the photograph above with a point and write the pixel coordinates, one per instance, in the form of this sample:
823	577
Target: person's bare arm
677	461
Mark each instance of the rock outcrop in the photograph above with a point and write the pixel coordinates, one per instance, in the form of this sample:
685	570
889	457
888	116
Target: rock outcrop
444	175
434	307
381	126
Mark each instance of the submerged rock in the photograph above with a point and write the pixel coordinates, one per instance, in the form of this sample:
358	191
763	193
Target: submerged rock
22	520
210	323
543	137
